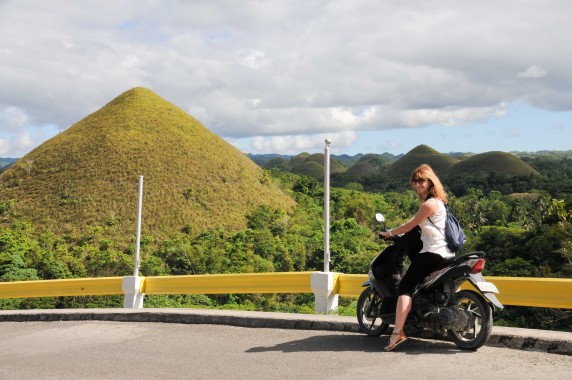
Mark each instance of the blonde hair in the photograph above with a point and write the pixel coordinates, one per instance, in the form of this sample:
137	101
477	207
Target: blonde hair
436	189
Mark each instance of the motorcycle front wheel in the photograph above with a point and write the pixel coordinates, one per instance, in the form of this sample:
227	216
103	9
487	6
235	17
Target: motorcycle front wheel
368	313
478	334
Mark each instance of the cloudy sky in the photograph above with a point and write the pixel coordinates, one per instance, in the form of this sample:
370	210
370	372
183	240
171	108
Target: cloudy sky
280	76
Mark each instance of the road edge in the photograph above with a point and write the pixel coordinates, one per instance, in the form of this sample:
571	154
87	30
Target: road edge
556	342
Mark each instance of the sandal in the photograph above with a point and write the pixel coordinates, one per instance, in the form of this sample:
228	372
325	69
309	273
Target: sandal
394	343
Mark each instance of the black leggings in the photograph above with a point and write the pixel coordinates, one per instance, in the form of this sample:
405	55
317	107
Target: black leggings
421	265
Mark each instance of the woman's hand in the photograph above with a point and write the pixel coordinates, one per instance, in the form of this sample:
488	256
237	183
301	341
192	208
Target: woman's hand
385	234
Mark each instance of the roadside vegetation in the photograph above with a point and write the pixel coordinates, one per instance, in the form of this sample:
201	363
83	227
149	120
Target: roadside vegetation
68	210
524	234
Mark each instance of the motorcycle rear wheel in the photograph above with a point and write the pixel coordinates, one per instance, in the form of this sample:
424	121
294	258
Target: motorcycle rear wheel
368	308
481	331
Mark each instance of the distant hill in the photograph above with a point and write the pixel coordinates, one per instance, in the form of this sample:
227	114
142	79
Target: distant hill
263	159
367	165
501	163
313	165
467	166
379	172
460	155
400	170
279	163
555	154
346	159
6	161
87	175
388	172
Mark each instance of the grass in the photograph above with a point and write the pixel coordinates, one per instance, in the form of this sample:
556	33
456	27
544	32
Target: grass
504	164
313	165
88	175
500	162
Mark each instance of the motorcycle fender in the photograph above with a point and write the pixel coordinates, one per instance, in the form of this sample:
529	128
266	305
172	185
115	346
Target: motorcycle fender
481	284
486	289
366	284
493	299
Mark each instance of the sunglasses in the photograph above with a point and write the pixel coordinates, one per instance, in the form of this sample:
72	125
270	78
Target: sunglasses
418	181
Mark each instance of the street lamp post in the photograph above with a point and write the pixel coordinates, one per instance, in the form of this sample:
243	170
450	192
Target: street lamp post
327	206
323	283
138	232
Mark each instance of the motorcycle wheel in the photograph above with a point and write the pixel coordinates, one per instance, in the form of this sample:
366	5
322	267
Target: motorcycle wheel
368	306
480	332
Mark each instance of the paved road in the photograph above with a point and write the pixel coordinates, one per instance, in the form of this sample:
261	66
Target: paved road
556	342
143	350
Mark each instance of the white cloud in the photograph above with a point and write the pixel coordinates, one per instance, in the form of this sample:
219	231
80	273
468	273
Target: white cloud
4	148
346	117
533	72
15	137
252	103
17	146
13	118
295	144
262	70
23	142
254	59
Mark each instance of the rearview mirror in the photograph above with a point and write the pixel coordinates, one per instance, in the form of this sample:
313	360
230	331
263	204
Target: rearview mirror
380	218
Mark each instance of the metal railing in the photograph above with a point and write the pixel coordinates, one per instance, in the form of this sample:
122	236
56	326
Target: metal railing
515	291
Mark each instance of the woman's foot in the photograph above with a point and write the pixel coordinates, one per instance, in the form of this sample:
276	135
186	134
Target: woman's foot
396	338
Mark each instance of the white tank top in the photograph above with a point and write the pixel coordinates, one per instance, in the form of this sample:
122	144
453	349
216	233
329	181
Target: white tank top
433	236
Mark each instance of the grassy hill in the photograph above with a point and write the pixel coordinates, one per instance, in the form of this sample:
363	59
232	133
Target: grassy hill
481	165
313	165
263	159
448	168
422	154
366	165
87	175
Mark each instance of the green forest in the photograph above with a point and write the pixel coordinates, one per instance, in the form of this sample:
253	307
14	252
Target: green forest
523	223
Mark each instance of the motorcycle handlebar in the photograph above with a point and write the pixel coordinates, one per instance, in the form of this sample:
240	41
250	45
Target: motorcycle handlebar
392	238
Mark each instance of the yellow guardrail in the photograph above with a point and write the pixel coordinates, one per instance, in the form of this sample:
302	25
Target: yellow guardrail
515	291
350	285
280	282
531	291
55	288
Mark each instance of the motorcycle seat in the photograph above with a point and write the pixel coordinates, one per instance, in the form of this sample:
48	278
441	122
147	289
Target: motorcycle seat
454	260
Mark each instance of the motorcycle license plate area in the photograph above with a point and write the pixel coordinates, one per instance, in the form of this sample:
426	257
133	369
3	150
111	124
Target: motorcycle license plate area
487	287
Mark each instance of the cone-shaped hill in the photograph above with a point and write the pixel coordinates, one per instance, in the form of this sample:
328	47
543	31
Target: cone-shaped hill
87	175
502	163
366	165
313	165
401	169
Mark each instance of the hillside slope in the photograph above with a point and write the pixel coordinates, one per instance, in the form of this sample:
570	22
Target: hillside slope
313	165
502	163
421	154
87	176
368	164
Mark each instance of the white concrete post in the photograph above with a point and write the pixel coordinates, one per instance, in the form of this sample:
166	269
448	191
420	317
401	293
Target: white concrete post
322	284
132	296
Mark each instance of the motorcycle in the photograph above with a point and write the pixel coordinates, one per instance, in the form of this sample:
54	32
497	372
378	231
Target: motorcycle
438	304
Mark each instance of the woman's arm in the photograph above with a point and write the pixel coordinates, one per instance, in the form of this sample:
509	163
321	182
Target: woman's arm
426	210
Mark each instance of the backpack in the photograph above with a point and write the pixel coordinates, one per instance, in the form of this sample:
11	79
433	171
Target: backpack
454	234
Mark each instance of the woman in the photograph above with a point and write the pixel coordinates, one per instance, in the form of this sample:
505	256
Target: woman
431	218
